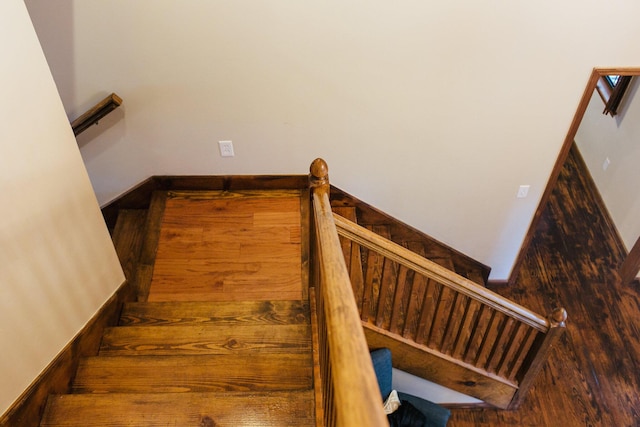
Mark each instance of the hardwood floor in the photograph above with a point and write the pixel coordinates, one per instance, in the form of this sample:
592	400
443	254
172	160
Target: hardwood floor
248	249
593	377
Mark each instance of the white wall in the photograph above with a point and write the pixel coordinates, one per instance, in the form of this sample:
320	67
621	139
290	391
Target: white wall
617	138
57	263
434	112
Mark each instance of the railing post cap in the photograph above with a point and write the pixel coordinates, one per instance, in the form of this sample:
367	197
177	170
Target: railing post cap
319	169
559	316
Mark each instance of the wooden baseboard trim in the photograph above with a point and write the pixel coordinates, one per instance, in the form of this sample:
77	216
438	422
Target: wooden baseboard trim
56	378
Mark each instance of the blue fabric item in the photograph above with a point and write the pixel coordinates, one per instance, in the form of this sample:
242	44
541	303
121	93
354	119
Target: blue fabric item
382	366
436	415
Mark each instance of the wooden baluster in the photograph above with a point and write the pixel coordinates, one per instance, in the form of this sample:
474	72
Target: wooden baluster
540	354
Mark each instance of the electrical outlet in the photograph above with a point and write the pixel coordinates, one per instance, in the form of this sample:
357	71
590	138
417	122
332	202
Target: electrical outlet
523	190
606	164
226	148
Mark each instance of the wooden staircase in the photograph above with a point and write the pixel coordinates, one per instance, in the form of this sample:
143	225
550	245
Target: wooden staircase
217	361
194	363
219	320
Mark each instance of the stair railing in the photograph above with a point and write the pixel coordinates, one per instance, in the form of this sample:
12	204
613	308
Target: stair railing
349	390
424	305
95	113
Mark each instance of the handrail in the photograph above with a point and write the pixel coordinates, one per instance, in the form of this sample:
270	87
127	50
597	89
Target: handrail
432	270
95	113
448	316
350	391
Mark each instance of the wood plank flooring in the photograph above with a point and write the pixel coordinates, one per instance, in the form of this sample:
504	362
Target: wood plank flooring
250	249
593	376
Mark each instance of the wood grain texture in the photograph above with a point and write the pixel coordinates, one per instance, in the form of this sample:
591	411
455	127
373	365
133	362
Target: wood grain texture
166	374
425	363
275	409
144	272
172	313
128	237
352	396
56	377
206	339
591	378
229	246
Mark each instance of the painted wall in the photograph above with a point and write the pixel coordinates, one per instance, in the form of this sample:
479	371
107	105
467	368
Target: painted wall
57	262
618	139
434	112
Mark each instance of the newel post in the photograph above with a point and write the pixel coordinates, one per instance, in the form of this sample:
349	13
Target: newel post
318	185
540	353
319	175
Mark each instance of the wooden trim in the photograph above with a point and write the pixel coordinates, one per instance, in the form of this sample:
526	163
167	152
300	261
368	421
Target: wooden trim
369	215
354	390
423	362
305	241
562	157
57	376
315	342
95	113
631	265
540	355
430	269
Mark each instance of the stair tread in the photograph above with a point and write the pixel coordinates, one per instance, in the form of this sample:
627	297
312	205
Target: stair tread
128	237
188	373
229	313
206	339
183	409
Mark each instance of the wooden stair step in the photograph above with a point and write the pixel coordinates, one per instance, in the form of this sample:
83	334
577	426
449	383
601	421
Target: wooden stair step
206	339
221	313
128	238
181	409
164	374
146	261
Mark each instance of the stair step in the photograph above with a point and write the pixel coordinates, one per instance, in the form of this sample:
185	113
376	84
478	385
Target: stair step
146	261
221	313
206	339
128	237
165	374
181	409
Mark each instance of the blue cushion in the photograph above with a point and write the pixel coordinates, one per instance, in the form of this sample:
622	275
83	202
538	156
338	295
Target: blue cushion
382	366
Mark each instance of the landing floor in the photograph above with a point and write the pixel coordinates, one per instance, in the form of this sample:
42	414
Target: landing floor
593	376
222	246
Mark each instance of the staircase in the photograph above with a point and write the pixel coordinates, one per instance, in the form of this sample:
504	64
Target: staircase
194	363
221	328
208	358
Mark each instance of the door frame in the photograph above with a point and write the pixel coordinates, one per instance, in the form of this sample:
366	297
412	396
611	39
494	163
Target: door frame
631	263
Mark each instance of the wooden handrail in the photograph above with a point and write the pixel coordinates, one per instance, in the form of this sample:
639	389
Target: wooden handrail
95	113
351	394
430	269
451	323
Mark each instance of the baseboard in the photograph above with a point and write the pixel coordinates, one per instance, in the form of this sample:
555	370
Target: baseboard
56	378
